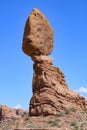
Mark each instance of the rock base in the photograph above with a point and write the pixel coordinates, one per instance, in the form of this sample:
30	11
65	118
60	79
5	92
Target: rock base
51	93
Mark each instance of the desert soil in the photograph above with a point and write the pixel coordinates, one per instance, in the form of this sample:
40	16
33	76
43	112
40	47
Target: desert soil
65	120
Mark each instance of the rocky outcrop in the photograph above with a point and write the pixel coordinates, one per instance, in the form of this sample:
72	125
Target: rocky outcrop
50	90
9	113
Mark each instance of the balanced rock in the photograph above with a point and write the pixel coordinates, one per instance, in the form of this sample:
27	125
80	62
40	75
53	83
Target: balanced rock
38	35
50	90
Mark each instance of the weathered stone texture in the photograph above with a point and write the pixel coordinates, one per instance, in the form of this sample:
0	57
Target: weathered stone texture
38	35
41	58
50	90
7	113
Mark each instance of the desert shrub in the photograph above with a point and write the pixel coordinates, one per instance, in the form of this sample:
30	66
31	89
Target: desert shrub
85	111
27	118
31	126
61	114
73	109
54	123
73	123
67	111
75	127
57	120
24	114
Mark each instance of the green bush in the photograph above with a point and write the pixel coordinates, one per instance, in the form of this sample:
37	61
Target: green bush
27	118
67	111
86	111
73	109
24	114
61	114
73	123
54	123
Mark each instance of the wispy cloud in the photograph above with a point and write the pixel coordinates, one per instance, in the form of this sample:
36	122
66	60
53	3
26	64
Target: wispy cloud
81	90
18	106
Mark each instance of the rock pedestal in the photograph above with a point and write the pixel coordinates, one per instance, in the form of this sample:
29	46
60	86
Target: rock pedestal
50	90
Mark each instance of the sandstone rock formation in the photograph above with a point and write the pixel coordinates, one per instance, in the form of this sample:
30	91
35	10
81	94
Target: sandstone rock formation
9	113
50	90
38	35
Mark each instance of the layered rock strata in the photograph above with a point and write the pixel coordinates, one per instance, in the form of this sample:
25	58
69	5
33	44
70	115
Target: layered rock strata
50	90
51	93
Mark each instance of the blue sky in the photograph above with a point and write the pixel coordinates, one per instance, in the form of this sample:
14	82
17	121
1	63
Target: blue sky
68	19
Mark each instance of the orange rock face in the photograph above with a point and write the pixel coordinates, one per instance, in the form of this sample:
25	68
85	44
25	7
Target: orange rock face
50	90
8	113
51	93
38	35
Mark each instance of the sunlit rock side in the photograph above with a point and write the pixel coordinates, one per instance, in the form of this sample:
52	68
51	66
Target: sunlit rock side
7	113
50	90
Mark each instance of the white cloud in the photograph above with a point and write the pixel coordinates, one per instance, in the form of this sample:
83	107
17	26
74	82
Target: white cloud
18	106
81	90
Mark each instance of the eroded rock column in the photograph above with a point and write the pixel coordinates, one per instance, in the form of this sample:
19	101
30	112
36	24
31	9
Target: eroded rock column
50	90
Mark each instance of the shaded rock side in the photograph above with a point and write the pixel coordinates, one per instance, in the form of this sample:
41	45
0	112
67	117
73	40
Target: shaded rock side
51	93
38	35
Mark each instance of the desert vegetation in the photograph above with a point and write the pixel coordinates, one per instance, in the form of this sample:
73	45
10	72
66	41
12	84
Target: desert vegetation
71	119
